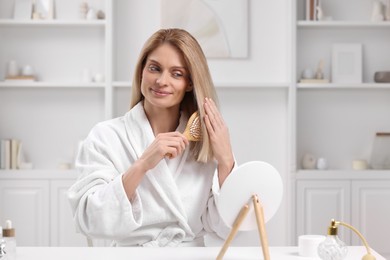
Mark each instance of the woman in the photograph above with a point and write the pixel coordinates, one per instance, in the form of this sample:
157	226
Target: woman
142	183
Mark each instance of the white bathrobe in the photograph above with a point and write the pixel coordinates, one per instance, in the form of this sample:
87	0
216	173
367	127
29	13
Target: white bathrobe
175	203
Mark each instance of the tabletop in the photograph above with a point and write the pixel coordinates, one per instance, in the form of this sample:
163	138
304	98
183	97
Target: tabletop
169	253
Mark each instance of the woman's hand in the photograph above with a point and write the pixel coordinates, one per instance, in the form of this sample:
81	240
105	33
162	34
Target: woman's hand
172	143
219	138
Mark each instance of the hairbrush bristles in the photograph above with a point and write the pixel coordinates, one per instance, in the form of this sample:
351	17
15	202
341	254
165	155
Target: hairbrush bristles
193	131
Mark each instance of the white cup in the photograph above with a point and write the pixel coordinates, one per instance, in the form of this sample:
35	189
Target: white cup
308	245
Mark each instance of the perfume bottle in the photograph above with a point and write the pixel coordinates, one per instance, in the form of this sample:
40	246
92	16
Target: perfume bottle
332	248
10	240
2	244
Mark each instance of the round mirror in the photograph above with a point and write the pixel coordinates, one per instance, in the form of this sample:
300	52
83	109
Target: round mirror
250	178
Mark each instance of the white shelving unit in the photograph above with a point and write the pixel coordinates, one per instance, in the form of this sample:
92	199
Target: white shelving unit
339	122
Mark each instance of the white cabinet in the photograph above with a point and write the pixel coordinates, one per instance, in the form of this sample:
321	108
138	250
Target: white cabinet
357	198
371	213
320	201
26	203
36	202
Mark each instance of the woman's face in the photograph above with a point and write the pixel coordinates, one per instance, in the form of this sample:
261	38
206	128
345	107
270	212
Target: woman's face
165	78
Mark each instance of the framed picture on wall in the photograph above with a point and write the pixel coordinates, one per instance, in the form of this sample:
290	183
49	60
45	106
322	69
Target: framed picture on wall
347	63
23	9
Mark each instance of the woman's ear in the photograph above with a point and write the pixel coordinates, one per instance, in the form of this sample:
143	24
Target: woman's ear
189	87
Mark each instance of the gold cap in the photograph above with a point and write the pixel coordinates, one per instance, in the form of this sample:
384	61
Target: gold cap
8	232
332	230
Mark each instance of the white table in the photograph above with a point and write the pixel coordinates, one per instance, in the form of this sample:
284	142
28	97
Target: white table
176	253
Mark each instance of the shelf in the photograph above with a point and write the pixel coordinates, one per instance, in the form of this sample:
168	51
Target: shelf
342	24
363	86
42	84
342	174
55	23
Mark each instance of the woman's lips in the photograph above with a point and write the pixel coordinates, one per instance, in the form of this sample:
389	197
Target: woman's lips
160	92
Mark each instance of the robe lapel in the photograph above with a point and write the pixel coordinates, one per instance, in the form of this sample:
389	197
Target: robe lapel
140	137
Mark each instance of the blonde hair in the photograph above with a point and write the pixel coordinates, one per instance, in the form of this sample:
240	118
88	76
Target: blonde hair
199	76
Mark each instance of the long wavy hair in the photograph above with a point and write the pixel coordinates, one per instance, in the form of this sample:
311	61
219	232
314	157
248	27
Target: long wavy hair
199	76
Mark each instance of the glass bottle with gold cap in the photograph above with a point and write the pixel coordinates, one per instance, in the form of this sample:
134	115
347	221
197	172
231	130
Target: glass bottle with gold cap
332	248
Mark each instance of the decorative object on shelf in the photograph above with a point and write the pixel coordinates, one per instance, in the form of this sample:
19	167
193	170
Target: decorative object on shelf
359	164
23	164
377	14
64	166
319	12
27	71
14	76
320	70
308	245
382	76
98	77
100	15
86	76
43	9
380	155
12	69
83	10
332	248
347	63
387	10
307	74
91	15
23	9
309	77
322	163
311	10
12	155
318	77
309	162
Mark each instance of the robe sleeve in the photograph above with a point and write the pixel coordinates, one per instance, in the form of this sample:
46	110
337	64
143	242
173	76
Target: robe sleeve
98	200
211	218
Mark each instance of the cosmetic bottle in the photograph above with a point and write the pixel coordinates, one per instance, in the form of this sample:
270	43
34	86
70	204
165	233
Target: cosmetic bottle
2	244
332	248
10	240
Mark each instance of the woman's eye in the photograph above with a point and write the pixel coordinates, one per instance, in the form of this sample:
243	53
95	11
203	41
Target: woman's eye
177	74
153	68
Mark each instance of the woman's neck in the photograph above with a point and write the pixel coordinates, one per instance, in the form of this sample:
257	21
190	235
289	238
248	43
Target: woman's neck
163	120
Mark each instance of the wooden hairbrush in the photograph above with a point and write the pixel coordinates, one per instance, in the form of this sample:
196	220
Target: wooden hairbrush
193	130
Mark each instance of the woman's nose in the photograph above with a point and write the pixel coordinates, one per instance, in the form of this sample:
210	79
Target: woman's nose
162	79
